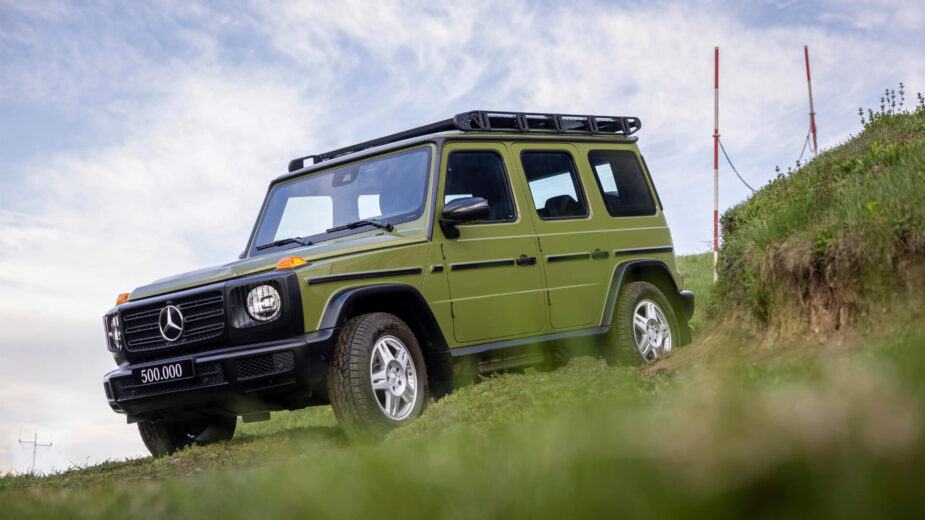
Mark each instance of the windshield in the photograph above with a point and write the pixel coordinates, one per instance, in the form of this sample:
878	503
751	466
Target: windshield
389	189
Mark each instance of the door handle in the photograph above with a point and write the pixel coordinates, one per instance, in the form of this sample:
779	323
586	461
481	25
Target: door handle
526	260
600	254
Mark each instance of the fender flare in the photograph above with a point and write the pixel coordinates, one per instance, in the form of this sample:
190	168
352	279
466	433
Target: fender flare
434	346
681	301
338	305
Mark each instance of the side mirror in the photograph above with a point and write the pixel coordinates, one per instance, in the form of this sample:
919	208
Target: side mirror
459	211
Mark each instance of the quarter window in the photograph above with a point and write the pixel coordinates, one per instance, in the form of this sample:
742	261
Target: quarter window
622	182
554	185
479	174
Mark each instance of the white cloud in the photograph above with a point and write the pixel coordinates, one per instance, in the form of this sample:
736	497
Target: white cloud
190	142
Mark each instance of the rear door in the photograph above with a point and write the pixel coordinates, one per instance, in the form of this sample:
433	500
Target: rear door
496	284
575	250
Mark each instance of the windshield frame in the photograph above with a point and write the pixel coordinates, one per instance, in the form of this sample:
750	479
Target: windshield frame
426	208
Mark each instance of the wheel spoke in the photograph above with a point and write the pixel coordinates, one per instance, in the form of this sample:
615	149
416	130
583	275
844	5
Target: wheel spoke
388	400
394	406
402	358
640	322
408	396
385	354
380	382
644	347
651	312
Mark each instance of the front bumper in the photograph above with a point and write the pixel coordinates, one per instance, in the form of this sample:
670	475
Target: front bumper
276	375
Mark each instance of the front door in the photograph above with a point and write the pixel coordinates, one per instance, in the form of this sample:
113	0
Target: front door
496	283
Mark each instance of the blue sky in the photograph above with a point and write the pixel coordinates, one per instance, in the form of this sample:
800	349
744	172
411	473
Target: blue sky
137	139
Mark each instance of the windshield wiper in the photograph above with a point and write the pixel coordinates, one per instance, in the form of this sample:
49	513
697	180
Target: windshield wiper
366	222
284	241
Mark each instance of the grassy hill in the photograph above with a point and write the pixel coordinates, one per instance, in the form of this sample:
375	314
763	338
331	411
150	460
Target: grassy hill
836	242
744	422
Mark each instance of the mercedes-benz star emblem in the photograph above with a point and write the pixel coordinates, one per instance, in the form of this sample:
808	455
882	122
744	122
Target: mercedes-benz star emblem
170	321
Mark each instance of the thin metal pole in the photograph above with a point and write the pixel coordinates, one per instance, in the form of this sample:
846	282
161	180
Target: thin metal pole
35	445
715	161
812	112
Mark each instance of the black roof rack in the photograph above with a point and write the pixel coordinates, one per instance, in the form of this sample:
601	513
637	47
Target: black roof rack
492	121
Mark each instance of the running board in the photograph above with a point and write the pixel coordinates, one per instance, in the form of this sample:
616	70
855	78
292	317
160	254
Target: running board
519	361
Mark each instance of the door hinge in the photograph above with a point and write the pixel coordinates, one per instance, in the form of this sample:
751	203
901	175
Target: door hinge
452	311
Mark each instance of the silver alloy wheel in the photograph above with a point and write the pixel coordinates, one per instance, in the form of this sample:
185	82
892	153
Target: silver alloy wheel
651	330
394	378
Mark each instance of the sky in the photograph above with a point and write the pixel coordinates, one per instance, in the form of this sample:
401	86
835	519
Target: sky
137	139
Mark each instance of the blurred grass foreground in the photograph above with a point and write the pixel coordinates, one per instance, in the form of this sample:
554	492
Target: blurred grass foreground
770	413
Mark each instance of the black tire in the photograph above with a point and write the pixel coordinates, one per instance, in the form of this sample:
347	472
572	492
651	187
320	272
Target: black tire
621	348
356	405
164	438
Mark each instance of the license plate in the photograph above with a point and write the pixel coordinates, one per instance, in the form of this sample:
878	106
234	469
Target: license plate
173	371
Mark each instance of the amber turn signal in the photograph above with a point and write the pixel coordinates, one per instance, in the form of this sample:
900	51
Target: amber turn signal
122	298
289	262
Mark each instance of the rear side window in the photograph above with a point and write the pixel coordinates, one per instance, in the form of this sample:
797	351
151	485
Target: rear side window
622	183
554	185
479	174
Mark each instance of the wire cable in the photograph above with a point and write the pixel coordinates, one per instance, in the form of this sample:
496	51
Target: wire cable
805	144
723	148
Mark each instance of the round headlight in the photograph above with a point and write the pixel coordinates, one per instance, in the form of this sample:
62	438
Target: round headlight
264	303
115	335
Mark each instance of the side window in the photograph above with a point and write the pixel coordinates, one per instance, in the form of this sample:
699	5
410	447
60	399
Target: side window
554	185
479	174
622	183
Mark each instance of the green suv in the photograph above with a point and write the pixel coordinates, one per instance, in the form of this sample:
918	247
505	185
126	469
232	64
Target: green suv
379	274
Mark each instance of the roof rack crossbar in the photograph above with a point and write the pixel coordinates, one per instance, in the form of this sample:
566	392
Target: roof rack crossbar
495	121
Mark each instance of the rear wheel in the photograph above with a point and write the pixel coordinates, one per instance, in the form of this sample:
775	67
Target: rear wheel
164	438
378	380
644	326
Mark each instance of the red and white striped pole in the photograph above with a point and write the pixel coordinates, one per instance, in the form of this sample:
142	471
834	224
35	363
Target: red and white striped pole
715	161
812	113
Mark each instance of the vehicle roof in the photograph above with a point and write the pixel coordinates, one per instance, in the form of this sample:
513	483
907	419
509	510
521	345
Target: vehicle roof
440	138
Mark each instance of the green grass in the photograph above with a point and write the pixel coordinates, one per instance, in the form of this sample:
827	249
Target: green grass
698	277
836	436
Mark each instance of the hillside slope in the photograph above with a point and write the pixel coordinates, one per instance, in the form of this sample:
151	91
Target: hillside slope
838	242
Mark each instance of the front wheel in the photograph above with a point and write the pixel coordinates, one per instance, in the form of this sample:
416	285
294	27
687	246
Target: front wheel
644	326
164	438
378	380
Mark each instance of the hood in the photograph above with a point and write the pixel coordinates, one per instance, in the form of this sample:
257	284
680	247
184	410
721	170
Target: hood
260	264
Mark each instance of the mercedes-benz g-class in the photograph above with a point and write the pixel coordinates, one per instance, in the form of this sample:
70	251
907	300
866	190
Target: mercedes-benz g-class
372	271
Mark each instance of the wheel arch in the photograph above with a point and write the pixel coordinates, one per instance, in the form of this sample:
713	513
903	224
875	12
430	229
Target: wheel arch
657	273
406	302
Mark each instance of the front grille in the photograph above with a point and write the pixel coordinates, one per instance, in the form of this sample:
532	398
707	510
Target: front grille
207	374
265	365
203	319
